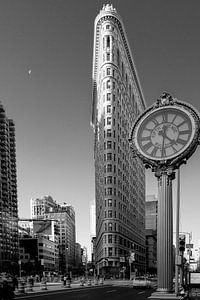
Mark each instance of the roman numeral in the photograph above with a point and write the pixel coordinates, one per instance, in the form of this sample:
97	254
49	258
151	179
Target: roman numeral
147	146
155	122
173	119
184	131
175	150
163	152
145	138
184	121
164	116
153	153
180	141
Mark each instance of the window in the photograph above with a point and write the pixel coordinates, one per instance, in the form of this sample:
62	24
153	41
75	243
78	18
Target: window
109	133
108	38
108	84
110	226
108	71
108	56
109	145
110	214
109	156
109	191
109	120
108	96
109	202
109	180
110	238
109	168
108	109
109	251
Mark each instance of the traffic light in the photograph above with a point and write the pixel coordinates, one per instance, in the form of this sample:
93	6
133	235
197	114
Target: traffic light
181	243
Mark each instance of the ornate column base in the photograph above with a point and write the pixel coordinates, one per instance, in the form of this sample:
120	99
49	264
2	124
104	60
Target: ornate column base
164	296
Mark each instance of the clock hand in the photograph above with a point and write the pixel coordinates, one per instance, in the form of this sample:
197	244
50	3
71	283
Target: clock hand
163	132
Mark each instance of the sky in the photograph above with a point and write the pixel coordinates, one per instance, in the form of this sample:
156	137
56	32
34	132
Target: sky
46	88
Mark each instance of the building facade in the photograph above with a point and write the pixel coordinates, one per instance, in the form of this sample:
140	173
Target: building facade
151	212
9	253
65	215
151	217
119	178
40	206
38	255
45	208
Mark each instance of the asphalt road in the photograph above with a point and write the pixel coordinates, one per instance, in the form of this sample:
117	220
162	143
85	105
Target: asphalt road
92	293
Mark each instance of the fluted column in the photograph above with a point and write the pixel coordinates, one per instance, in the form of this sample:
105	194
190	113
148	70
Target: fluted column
165	231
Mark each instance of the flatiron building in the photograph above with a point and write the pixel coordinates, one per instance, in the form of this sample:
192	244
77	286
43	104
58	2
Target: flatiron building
119	177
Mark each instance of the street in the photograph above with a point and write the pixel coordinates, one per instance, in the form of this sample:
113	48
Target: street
97	293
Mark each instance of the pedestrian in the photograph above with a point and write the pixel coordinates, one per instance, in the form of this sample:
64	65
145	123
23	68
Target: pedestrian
64	280
15	282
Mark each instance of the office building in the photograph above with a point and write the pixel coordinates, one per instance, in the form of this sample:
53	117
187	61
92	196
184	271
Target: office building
151	212
45	208
9	253
151	216
42	205
65	215
119	178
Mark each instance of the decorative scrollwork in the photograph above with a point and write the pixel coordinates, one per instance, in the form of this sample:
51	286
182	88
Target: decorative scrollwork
164	100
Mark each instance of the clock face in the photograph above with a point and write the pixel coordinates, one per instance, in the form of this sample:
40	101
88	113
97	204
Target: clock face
165	133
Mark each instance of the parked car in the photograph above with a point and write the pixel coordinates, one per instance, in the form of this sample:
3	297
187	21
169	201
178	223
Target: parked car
141	282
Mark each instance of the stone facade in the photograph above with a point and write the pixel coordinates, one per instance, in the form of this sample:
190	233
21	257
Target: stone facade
119	178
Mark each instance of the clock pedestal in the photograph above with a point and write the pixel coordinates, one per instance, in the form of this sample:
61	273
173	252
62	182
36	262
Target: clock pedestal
164	137
165	236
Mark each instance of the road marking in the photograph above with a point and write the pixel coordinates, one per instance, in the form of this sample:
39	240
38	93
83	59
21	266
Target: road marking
111	291
141	293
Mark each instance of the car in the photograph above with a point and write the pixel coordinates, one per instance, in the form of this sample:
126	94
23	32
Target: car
141	282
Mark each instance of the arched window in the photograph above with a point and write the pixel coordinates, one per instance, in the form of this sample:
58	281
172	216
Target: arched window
108	84
108	42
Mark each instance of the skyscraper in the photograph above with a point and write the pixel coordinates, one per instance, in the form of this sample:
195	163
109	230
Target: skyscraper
119	178
8	195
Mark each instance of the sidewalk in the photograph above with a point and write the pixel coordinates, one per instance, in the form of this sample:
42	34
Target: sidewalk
54	286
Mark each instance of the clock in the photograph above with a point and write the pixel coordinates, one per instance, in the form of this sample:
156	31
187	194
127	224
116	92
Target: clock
165	133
